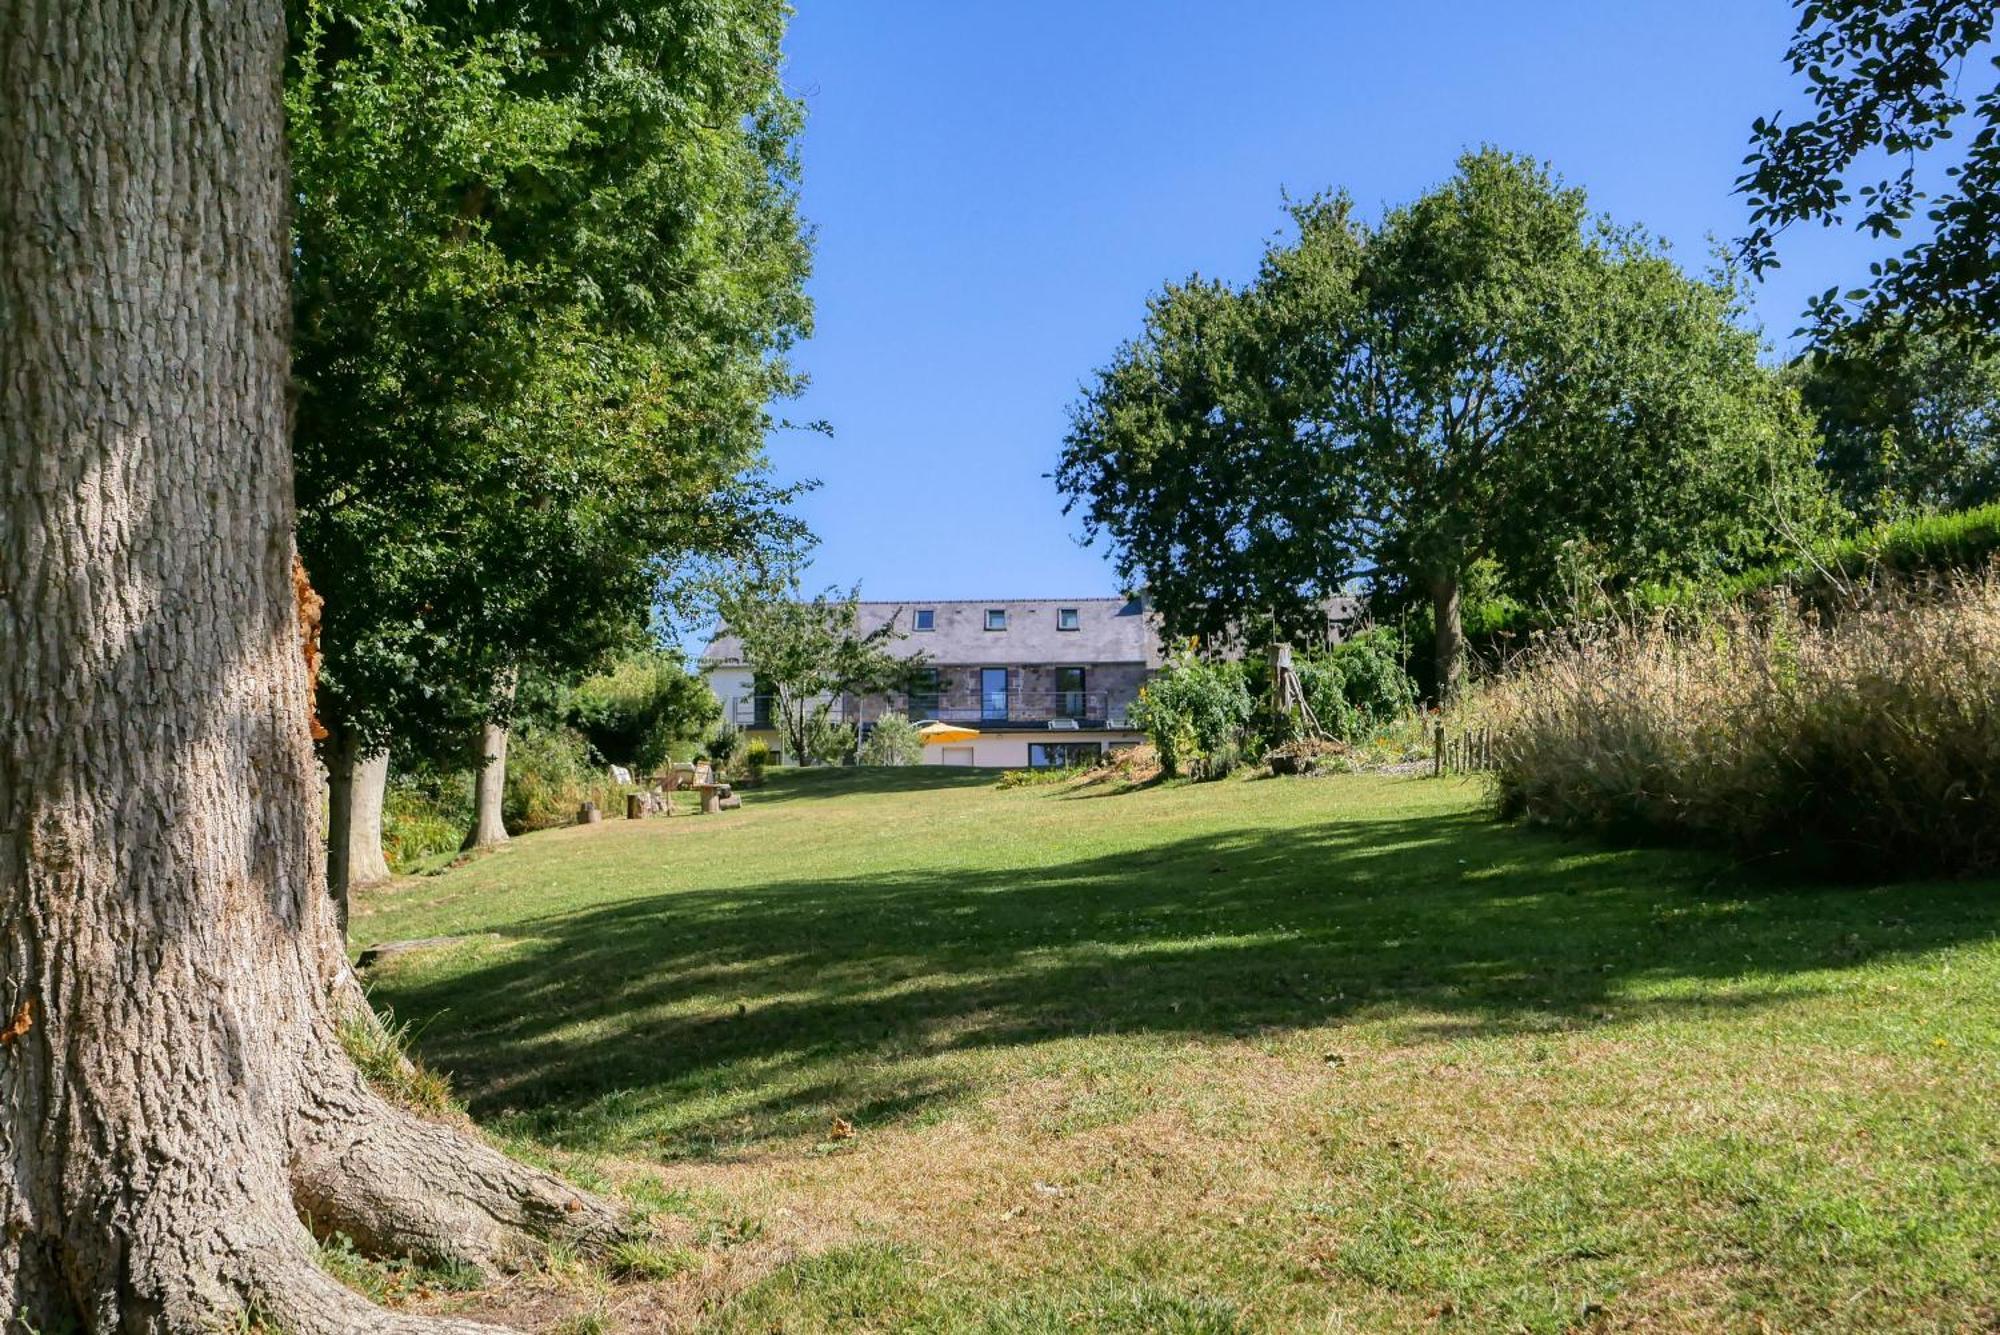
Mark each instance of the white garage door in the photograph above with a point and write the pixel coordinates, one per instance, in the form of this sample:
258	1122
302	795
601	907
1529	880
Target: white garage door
958	755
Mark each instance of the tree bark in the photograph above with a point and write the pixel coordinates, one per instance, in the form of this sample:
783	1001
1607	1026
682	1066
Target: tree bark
1450	637
489	791
173	1090
356	784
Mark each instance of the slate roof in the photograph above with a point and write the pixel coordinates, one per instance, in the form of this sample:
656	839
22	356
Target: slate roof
1109	630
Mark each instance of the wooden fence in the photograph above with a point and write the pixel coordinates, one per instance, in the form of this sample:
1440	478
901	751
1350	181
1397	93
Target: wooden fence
1464	751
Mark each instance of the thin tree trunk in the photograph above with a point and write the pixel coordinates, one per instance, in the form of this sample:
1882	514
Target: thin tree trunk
173	1090
1450	637
489	790
356	785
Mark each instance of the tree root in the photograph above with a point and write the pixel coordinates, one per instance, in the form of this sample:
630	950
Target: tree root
285	1288
399	1185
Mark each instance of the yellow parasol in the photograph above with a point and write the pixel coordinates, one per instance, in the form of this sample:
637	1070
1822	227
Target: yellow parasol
936	734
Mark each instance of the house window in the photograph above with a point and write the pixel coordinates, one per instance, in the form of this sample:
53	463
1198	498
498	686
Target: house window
923	694
1063	755
993	695
1066	618
996	618
925	618
1069	693
760	702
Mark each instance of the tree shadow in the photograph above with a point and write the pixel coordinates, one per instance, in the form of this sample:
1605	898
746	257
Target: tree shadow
822	782
773	999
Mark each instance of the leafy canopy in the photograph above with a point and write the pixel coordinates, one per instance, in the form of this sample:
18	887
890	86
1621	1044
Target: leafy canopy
1491	373
548	266
1888	82
807	653
1909	419
642	709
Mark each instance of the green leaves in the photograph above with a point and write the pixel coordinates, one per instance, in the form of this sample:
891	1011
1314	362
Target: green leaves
1888	75
1491	373
808	652
1909	418
548	262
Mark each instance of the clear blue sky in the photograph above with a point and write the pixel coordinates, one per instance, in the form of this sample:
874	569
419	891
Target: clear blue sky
997	188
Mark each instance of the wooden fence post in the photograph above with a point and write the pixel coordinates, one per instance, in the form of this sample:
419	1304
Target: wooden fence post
1437	753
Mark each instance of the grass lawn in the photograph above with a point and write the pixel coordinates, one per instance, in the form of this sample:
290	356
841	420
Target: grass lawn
1326	1054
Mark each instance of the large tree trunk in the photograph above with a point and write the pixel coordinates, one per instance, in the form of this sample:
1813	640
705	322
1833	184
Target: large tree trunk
356	784
1450	637
173	1091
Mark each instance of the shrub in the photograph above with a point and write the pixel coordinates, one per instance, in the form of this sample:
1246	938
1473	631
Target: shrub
893	741
1194	712
1921	546
725	747
827	742
642	710
1358	685
550	773
756	756
424	815
1868	741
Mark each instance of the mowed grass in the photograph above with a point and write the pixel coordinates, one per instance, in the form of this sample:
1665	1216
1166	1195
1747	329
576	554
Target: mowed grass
1327	1054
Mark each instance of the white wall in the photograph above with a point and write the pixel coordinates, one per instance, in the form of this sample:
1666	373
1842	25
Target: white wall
1009	750
731	684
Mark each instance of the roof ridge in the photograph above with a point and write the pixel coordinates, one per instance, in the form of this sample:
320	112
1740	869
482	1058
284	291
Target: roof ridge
1059	598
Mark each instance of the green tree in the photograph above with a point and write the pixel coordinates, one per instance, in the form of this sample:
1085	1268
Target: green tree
1489	374
179	1093
548	264
643	707
1909	420
1889	80
809	653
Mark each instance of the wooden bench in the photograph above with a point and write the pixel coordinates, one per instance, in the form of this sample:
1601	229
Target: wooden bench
717	797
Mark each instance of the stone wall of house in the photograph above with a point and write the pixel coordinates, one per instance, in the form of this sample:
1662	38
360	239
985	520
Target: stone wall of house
1109	688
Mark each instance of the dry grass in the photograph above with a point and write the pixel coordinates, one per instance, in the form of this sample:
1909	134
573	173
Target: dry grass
1868	742
1253	1055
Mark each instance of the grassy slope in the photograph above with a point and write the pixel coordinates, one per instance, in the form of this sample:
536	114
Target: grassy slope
1324	1054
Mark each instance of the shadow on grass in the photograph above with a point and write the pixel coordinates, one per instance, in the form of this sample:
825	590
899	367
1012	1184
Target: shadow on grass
821	782
769	1001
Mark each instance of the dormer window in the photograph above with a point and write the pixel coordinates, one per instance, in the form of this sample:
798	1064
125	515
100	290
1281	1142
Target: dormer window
924	618
1066	619
996	618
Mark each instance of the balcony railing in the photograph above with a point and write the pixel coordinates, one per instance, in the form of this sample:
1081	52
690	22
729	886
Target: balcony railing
992	709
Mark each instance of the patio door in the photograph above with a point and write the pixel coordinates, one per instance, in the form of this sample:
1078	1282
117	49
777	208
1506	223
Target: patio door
992	694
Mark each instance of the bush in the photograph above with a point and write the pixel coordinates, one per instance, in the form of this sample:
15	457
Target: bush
1925	545
424	816
550	773
756	757
827	742
1868	742
725	748
1357	686
1195	714
642	711
893	741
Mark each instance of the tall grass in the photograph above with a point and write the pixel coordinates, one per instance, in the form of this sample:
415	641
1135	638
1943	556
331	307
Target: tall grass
1865	740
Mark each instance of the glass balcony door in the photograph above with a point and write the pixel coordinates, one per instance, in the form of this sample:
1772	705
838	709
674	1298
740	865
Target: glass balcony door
992	694
1069	700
